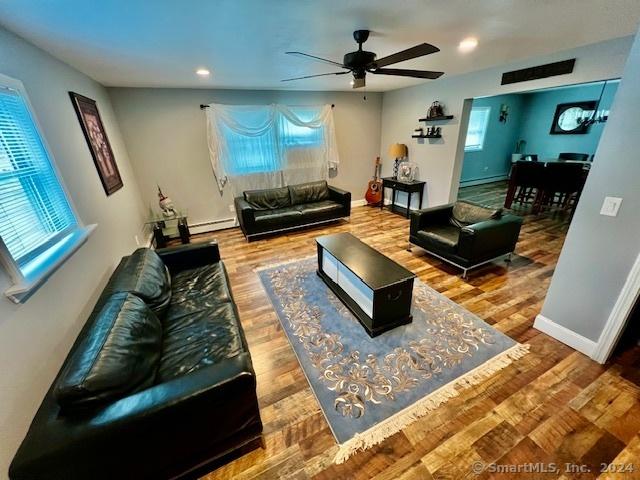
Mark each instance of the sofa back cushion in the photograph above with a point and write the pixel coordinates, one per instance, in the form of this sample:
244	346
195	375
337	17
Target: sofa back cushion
117	355
269	199
309	192
465	213
144	274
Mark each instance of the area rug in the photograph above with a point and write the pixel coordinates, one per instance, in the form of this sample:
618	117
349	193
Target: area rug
370	388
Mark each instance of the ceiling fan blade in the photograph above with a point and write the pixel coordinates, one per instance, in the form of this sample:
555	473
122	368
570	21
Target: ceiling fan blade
401	72
413	52
358	82
300	54
311	76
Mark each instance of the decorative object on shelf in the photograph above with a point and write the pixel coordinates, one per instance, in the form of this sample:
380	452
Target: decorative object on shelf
573	118
407	171
96	136
435	110
166	204
374	190
504	113
397	151
418	131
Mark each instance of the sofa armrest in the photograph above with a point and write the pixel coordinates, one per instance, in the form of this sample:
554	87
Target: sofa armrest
429	216
489	238
245	213
186	257
341	196
156	427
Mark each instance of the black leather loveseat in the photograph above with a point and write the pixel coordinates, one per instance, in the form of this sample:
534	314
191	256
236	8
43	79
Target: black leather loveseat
277	209
465	234
159	382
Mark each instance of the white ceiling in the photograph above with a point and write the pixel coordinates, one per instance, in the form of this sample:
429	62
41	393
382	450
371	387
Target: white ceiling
160	43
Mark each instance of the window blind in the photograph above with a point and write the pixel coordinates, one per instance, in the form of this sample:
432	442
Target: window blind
34	210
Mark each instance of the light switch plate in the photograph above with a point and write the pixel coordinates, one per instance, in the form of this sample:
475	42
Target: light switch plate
610	206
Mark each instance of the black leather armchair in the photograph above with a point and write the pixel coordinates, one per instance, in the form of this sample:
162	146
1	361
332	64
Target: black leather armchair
201	403
464	234
262	212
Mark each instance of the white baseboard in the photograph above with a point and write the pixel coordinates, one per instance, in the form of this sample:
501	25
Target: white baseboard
566	336
481	181
212	226
358	203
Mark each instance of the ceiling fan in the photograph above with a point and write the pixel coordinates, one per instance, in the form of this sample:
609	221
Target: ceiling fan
360	62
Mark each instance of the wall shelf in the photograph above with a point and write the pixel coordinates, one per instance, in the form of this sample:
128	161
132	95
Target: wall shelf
435	119
426	136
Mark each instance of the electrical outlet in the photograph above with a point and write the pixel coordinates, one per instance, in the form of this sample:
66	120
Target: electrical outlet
610	206
232	208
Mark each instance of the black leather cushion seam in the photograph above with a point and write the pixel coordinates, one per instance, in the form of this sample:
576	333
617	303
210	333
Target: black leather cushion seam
104	340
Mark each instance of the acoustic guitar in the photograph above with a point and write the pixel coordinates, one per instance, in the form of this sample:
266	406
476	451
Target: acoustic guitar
374	190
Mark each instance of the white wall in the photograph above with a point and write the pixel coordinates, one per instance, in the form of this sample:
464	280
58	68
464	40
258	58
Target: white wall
164	130
440	161
599	251
35	337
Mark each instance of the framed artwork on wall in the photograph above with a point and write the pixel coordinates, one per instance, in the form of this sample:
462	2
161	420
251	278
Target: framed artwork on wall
96	136
572	118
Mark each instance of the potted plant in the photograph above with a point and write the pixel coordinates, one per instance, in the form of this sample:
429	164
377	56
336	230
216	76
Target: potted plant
520	146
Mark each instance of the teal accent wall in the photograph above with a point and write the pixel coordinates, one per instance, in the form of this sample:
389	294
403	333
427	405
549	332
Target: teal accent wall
494	160
540	108
530	117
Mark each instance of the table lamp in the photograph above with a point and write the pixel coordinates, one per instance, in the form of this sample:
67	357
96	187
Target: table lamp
397	151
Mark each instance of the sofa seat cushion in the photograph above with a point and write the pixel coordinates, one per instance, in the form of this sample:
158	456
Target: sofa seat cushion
117	356
145	275
309	192
278	218
441	237
268	199
465	213
201	326
204	286
320	208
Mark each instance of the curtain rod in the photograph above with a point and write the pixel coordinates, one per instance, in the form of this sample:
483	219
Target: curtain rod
203	106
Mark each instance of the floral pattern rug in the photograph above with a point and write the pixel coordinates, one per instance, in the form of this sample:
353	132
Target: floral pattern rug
370	388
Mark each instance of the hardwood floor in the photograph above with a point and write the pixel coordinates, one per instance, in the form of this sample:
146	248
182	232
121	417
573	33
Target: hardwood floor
554	405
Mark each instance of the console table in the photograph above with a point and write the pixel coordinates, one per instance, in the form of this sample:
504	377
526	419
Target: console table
410	188
375	288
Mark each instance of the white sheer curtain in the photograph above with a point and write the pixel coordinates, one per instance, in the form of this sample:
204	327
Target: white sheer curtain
267	146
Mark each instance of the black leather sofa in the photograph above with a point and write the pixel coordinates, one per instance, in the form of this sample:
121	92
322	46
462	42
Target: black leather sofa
262	212
158	384
465	234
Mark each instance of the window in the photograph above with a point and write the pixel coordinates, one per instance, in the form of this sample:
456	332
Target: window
38	227
478	121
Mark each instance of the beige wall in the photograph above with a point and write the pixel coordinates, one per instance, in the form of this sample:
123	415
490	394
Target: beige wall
164	130
35	337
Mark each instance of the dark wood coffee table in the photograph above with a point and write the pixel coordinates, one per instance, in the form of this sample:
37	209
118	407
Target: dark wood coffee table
375	288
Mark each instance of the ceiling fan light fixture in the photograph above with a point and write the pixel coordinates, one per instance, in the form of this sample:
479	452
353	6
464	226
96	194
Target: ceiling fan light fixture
203	72
468	44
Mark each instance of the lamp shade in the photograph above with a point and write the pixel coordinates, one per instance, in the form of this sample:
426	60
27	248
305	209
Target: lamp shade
398	150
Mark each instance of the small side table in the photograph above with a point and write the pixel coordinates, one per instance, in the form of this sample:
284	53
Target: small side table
167	228
394	184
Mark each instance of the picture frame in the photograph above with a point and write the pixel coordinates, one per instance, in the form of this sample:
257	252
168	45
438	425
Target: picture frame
566	116
96	137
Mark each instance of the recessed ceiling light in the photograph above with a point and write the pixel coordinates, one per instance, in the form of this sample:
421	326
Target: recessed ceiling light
203	72
468	44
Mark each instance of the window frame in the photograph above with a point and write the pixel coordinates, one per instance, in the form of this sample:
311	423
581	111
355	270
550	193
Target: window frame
62	245
480	147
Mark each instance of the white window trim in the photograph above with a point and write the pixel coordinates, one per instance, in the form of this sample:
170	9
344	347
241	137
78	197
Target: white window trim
476	148
24	287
